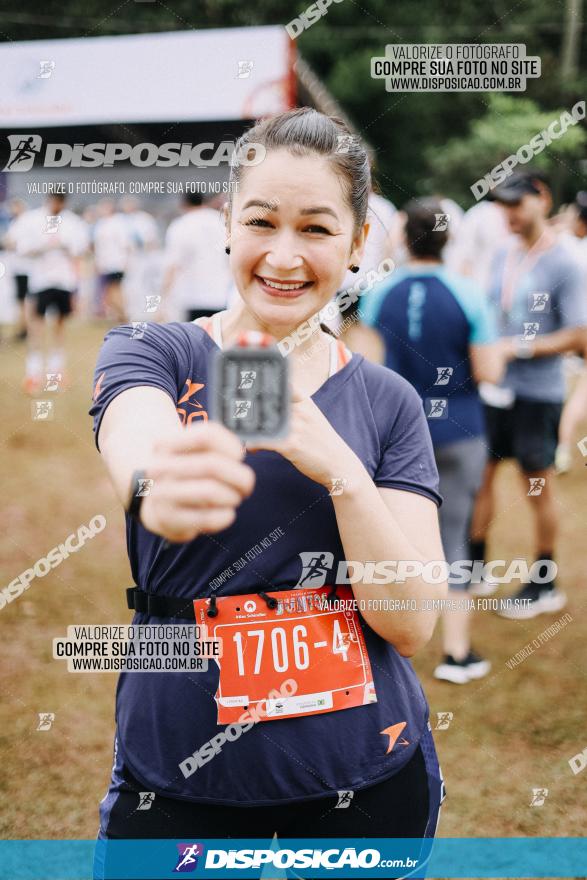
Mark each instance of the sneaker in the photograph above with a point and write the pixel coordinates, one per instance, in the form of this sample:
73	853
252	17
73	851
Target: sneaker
542	600
32	385
462	671
484	587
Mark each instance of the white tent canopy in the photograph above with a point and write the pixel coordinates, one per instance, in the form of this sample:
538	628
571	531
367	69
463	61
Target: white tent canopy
180	76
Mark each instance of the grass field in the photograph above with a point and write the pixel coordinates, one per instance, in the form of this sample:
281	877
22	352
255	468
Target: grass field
511	732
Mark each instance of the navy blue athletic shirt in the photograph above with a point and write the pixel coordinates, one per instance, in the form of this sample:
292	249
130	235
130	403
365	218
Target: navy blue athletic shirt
162	718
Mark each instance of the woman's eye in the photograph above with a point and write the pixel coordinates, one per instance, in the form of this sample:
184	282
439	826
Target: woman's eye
257	221
319	229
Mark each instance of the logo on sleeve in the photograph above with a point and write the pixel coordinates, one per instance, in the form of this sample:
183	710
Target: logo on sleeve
98	386
191	409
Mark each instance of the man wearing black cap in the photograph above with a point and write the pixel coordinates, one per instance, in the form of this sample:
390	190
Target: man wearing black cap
538	290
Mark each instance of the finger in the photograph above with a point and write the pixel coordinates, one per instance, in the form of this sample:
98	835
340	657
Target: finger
207	465
203	437
205	493
189	524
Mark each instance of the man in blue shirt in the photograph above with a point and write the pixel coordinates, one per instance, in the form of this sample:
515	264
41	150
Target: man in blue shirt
437	332
538	289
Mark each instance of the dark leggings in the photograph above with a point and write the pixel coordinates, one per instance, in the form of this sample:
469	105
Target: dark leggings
406	805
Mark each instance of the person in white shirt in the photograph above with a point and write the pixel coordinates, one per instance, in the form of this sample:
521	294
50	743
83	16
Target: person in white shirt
54	239
112	248
196	276
479	237
20	265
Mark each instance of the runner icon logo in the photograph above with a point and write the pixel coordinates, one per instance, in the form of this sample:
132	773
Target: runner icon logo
188	857
146	799
46	719
539	795
444	374
23	149
247	378
441	222
537	484
437	408
344	800
315	567
444	719
539	302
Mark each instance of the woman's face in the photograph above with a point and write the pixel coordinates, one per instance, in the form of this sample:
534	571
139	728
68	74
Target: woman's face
291	237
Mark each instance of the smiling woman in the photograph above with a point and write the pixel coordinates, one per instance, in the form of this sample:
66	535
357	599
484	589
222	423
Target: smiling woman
354	479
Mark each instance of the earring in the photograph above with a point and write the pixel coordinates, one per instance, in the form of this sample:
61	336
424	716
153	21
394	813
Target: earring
354	268
227	249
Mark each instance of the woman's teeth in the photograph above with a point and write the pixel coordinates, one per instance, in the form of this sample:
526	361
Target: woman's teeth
292	285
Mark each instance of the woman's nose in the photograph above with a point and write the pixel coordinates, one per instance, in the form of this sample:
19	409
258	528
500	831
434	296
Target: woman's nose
282	253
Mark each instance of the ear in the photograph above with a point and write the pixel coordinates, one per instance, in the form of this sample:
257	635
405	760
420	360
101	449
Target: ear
358	245
226	216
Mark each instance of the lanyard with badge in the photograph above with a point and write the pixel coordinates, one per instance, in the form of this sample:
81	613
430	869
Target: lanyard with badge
297	635
519	263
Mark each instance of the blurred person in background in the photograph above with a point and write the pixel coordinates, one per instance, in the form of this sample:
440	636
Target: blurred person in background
449	219
112	243
538	290
380	216
142	283
575	408
437	331
480	236
20	265
53	239
196	273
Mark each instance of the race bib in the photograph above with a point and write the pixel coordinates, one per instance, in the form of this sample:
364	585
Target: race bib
301	658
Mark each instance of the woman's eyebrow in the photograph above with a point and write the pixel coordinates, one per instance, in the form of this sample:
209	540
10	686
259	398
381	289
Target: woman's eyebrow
321	209
267	206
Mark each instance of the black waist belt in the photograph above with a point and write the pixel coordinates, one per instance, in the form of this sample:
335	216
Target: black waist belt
159	605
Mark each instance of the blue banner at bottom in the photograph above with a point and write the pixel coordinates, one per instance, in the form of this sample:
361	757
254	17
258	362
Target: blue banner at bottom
553	857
